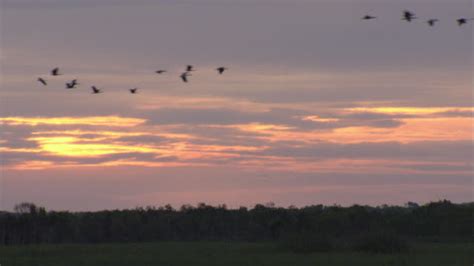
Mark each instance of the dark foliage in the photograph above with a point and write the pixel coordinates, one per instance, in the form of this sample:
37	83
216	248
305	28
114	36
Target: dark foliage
30	224
382	242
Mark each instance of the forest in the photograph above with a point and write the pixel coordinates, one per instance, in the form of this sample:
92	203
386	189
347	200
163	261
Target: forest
440	221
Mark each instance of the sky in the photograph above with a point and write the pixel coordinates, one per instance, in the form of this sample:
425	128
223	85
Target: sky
317	107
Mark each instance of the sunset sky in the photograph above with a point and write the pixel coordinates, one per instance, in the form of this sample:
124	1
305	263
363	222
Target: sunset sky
318	106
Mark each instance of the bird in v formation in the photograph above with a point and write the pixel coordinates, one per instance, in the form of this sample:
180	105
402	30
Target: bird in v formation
408	16
74	83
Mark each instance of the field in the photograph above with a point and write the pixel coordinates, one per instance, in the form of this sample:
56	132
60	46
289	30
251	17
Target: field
218	253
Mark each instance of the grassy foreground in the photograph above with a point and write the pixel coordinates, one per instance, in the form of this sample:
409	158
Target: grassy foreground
218	253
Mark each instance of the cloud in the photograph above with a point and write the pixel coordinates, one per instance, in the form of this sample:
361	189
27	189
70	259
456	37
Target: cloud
111	121
410	111
424	151
291	118
214	136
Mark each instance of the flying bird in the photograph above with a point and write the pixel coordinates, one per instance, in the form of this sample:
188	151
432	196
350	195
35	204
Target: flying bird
463	21
408	16
72	84
432	22
189	68
43	81
133	91
221	70
161	71
185	76
368	17
95	90
55	72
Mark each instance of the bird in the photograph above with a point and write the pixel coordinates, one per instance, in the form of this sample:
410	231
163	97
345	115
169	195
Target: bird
463	21
55	72
161	71
185	76
133	91
189	68
72	84
43	81
221	70
95	90
368	17
408	16
432	22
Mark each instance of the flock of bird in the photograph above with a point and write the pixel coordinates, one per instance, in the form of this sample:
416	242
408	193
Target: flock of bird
410	16
407	16
73	83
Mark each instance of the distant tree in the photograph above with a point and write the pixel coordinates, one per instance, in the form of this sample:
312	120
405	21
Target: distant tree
412	205
30	224
25	207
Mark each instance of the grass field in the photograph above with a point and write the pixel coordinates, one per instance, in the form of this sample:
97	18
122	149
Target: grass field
223	254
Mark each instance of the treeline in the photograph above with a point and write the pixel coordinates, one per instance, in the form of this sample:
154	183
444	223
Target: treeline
30	224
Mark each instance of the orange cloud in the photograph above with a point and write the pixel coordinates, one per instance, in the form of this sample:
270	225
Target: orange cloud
113	121
78	143
412	129
409	110
316	118
422	127
76	147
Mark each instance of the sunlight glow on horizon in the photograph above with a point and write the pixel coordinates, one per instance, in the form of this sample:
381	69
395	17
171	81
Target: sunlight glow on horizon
79	143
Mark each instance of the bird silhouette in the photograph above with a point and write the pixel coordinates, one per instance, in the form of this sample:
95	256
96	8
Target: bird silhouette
221	70
368	17
189	68
55	72
463	21
161	71
72	84
408	16
185	76
43	81
95	90
432	22
133	91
